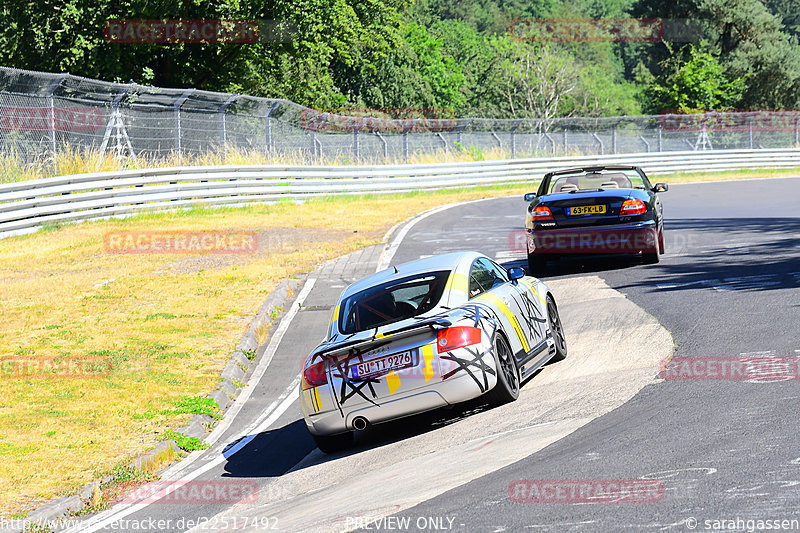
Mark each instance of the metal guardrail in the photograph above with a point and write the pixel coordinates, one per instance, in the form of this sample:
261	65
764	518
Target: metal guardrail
27	205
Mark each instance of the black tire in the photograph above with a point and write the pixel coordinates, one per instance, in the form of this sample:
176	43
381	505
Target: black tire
507	388
651	259
537	264
557	330
661	248
334	443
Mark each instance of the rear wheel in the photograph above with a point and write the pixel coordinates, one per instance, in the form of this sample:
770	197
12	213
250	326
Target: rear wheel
333	443
537	264
507	388
661	242
651	258
557	330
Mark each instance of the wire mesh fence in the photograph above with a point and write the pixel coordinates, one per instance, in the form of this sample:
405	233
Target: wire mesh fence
42	113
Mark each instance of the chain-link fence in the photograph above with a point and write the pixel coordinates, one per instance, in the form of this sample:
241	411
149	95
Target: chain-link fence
40	113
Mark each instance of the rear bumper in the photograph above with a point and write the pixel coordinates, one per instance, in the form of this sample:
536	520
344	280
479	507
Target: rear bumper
457	389
618	239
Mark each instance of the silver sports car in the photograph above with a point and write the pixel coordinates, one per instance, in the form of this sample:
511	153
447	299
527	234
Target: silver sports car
423	335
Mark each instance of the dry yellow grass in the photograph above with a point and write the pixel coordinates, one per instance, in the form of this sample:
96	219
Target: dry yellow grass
165	323
75	160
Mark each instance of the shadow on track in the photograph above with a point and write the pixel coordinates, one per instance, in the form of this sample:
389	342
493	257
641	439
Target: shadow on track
273	453
734	254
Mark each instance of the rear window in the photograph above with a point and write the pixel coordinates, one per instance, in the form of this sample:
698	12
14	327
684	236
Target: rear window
392	301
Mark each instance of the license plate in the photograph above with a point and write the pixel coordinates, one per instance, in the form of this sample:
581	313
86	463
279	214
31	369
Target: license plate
382	365
586	210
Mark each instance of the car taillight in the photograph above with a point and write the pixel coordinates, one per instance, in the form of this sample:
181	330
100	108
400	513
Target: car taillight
632	206
314	375
457	337
541	212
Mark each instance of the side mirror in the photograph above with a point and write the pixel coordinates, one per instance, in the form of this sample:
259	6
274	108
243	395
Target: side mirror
515	273
660	187
529	197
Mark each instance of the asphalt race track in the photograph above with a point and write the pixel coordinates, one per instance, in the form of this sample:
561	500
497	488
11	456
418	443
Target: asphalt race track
728	285
721	450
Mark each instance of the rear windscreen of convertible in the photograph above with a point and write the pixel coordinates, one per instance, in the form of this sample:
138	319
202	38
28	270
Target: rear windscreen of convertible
392	301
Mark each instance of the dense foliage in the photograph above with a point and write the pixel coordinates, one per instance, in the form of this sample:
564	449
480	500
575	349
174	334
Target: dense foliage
446	57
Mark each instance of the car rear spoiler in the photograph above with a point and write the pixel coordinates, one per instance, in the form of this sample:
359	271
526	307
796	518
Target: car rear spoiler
373	338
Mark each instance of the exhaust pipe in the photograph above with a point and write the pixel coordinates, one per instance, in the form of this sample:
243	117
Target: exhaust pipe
360	423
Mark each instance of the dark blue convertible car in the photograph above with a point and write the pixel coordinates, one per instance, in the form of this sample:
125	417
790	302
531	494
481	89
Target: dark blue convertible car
594	210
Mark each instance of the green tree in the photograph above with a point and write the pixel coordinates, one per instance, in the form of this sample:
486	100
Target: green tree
698	83
747	39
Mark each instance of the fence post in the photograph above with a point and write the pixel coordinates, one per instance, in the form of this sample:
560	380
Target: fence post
600	142
796	131
385	146
51	112
314	145
178	103
552	143
223	114
268	128
750	129
660	148
514	140
614	139
564	139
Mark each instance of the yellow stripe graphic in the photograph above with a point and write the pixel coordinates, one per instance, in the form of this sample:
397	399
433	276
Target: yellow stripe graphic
393	380
317	401
513	319
457	282
427	354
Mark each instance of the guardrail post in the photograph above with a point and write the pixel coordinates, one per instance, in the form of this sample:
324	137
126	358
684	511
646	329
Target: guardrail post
223	126
268	128
51	111
600	142
178	103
